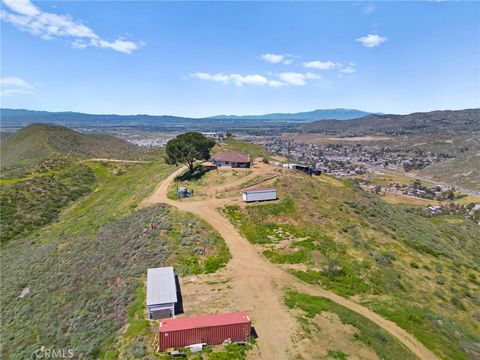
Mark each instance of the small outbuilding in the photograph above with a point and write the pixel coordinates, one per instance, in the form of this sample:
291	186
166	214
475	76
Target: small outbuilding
207	329
231	159
161	293
251	195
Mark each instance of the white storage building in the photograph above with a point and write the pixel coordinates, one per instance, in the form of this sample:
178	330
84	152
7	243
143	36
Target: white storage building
251	195
161	293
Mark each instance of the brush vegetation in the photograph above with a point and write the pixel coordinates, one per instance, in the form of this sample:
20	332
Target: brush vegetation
78	281
421	272
30	203
367	332
39	142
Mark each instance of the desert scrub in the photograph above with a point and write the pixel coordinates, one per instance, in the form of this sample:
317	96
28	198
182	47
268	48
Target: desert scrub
384	344
358	244
107	267
29	204
446	337
341	277
83	271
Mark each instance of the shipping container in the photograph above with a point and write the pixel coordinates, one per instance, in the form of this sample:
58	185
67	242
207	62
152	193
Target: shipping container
209	329
252	195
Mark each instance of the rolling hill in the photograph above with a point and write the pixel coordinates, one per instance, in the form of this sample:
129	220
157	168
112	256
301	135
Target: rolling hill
416	123
414	269
38	142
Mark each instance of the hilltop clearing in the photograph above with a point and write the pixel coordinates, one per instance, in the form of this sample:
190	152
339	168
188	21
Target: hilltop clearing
253	275
416	270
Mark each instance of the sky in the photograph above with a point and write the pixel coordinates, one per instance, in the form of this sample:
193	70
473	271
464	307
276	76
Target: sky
209	58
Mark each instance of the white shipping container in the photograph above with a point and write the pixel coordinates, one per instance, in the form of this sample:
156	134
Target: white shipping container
259	195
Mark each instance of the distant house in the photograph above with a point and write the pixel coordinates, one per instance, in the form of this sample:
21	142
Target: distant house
304	168
161	293
252	195
231	159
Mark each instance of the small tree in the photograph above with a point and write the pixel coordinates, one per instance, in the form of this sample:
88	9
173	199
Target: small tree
188	148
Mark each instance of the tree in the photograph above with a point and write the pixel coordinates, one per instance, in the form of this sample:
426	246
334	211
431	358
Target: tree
188	148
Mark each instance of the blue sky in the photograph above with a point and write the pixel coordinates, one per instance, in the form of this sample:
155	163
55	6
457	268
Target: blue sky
207	58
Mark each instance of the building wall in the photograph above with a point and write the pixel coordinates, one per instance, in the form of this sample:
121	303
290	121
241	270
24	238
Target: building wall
212	335
231	164
161	311
222	164
262	196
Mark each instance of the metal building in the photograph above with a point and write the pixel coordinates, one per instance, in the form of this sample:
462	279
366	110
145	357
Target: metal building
251	195
161	293
207	329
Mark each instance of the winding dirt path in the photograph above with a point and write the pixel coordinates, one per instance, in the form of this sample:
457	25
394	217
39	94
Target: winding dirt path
117	160
258	285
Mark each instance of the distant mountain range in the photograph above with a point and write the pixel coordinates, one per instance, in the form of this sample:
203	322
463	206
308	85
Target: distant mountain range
320	114
343	122
21	117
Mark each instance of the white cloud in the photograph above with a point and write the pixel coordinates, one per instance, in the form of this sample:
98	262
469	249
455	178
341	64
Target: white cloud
372	40
27	17
276	83
284	59
297	79
368	9
235	79
13	86
212	77
283	79
240	80
348	70
320	65
24	7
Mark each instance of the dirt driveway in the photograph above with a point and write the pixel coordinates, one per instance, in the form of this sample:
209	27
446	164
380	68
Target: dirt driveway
258	285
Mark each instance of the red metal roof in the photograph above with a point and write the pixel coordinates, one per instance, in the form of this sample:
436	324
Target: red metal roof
231	156
203	321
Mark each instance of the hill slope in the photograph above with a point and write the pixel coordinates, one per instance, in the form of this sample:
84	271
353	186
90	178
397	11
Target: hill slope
414	269
86	271
40	141
429	122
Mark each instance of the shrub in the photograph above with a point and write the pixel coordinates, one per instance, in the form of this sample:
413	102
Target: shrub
138	350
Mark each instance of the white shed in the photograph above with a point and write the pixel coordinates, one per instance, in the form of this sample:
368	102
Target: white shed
161	293
252	195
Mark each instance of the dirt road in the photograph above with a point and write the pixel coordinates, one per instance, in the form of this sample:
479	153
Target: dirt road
118	160
259	285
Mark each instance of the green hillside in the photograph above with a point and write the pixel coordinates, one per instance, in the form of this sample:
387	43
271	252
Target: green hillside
38	142
31	203
79	281
421	272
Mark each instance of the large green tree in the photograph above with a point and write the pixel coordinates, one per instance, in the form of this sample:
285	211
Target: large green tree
188	148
